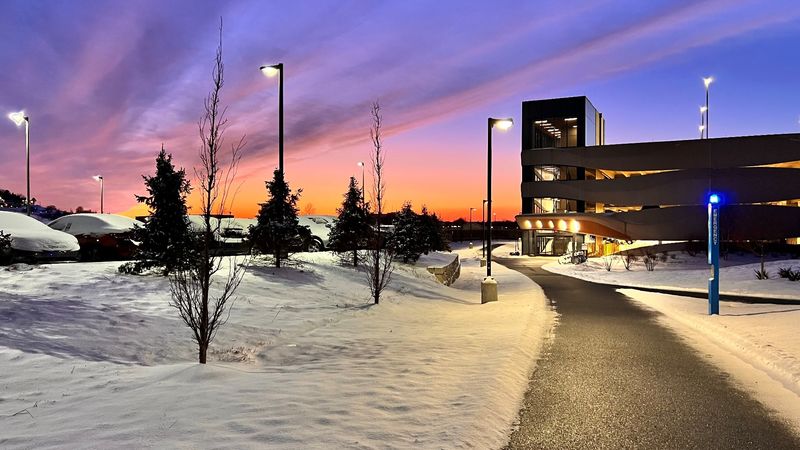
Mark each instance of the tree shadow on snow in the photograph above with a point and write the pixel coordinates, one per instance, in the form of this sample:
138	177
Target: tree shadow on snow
71	328
294	274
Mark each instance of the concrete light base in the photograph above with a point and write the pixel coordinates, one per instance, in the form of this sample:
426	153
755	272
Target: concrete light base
470	246
483	262
488	290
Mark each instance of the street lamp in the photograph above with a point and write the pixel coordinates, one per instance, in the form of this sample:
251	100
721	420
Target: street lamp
470	223
707	81
361	164
271	71
703	110
19	118
100	179
483	230
489	285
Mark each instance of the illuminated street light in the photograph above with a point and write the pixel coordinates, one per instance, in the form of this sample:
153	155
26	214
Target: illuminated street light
102	194
707	82
271	71
19	118
701	128
489	285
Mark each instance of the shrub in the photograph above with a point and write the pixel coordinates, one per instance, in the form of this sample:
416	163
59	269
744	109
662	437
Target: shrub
650	262
5	248
628	260
608	262
761	274
663	257
788	273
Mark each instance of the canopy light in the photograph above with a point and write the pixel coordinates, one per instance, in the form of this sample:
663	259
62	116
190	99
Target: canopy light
17	117
570	119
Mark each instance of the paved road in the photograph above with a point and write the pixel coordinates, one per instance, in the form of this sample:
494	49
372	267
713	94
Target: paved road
613	378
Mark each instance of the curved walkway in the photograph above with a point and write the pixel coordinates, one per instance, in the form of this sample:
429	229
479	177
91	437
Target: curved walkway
613	378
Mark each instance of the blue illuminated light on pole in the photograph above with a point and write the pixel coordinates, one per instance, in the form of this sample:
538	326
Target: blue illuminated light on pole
713	253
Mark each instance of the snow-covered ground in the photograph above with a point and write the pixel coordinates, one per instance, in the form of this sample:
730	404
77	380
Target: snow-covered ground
682	272
93	358
758	344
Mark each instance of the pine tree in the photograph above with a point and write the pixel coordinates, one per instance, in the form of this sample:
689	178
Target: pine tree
431	232
351	230
278	230
406	239
166	240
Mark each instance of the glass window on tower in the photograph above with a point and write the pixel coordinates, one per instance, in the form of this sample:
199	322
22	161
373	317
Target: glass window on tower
555	132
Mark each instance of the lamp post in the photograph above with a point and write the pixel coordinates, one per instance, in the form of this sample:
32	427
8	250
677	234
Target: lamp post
470	223
102	193
19	118
713	253
703	110
707	81
363	198
483	230
489	285
271	71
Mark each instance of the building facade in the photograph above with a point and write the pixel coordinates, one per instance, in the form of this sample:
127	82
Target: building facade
579	193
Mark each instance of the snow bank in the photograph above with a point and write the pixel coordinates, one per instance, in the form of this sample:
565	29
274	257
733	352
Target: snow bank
758	344
92	358
690	274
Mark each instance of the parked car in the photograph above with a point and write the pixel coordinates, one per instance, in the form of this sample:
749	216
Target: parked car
101	236
320	227
32	240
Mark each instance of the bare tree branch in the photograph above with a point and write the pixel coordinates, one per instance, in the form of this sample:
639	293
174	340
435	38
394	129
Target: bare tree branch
191	292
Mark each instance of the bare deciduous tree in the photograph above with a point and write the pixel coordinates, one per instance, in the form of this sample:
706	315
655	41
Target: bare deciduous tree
201	310
379	258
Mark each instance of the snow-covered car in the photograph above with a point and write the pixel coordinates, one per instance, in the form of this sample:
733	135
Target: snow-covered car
320	227
101	236
33	240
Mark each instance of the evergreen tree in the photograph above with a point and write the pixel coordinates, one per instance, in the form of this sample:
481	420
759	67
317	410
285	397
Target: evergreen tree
406	239
351	230
432	232
277	230
166	241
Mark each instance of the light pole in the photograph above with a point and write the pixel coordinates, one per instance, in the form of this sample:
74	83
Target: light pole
363	197
470	223
483	229
271	71
703	110
489	285
19	118
707	81
102	193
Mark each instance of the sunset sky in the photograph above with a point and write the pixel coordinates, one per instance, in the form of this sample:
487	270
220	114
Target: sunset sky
106	83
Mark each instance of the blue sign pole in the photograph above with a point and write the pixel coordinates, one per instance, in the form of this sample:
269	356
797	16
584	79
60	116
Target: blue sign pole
713	254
